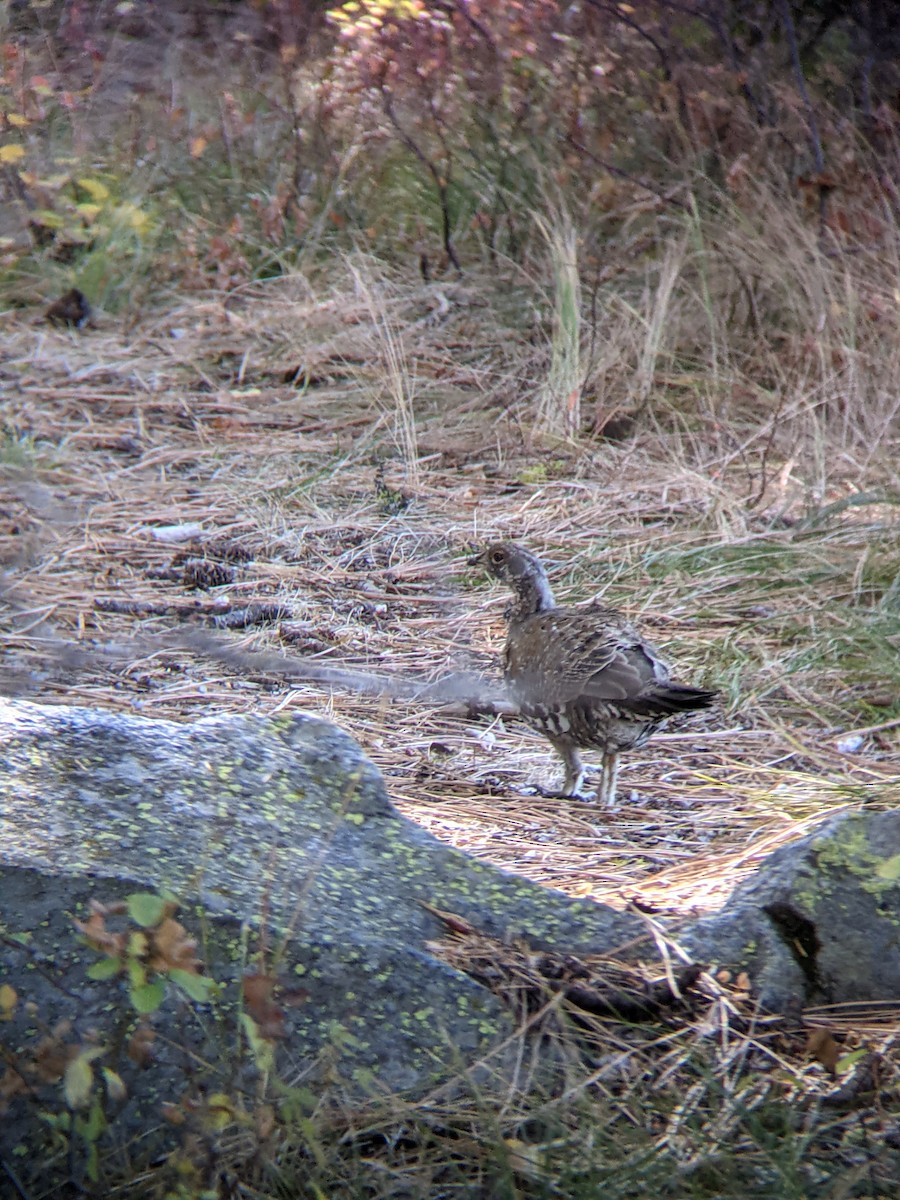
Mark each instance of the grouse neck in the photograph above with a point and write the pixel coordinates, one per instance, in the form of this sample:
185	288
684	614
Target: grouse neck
533	595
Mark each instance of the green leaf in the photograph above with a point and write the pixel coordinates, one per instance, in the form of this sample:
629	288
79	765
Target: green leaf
148	997
92	1163
311	1141
91	1126
106	968
198	987
846	1061
60	1122
305	1100
48	218
137	975
146	908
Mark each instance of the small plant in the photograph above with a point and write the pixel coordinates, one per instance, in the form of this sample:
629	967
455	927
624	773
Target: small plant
158	951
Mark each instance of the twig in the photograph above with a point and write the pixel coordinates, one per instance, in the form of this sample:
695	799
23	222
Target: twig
867	729
790	32
652	188
13	1179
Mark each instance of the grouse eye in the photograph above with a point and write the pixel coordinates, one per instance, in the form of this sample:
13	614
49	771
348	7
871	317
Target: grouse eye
497	557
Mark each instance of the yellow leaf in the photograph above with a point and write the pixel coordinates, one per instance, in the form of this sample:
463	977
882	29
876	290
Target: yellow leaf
137	943
526	1160
198	145
262	1049
17	120
78	1081
115	1087
94	188
11	153
134	217
221	1110
89	211
8	1000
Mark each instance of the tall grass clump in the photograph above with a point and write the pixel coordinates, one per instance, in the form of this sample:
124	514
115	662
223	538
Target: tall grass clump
397	375
559	406
746	335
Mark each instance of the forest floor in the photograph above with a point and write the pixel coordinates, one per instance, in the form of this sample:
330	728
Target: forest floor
339	463
207	498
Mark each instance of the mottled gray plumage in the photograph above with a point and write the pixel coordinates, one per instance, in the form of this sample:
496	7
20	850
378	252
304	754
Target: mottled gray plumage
583	677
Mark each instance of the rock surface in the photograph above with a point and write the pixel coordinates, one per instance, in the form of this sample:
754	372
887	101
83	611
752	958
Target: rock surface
278	833
819	922
281	829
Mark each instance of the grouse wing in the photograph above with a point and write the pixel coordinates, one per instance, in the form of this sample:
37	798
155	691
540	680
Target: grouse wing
566	655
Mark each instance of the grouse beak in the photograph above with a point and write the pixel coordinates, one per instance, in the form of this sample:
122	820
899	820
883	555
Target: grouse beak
476	560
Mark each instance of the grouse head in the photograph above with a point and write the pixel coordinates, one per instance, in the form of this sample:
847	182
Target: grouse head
521	571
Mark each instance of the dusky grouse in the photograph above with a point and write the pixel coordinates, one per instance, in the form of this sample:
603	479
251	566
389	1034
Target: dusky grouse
583	677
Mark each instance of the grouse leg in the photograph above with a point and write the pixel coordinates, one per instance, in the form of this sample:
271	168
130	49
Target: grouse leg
574	769
609	773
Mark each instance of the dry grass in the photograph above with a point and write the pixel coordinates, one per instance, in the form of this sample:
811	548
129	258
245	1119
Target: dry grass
638	1106
299	490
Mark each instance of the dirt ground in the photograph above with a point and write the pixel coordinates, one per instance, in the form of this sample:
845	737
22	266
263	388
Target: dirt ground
270	422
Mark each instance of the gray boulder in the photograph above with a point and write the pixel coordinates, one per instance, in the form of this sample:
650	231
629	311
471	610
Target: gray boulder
291	865
274	832
819	922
